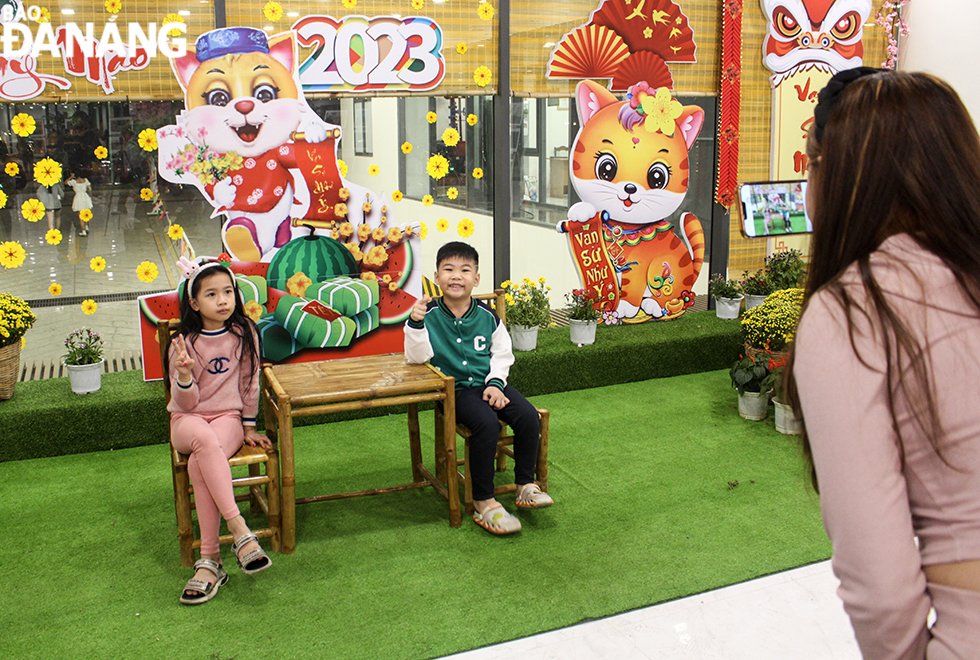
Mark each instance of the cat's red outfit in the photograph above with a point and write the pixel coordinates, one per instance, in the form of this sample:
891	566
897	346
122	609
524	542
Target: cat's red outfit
261	181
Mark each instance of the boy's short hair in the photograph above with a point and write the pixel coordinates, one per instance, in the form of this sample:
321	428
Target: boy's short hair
457	249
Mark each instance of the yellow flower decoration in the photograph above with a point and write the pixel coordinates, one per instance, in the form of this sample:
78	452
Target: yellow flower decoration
355	251
23	124
342	166
423	231
427	200
363	232
485	11
147	271
418	4
395	234
378	234
85	215
148	137
452	193
397	196
442	224
349	4
54	289
113	6
47	172
406	148
392	286
253	310
32	210
97	264
340	209
373	169
366	207
3	199
298	284
482	76
52	237
437	166
272	11
173	32
43	15
465	227
12	254
368	275
175	232
146	194
101	153
660	112
461	48
346	229
12	169
471	119
89	306
477	173
450	137
431	117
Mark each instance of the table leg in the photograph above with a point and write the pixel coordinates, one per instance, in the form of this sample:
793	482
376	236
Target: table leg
273	494
287	464
449	440
415	441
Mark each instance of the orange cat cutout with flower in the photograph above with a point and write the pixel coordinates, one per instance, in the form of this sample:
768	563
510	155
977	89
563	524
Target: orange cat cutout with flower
631	169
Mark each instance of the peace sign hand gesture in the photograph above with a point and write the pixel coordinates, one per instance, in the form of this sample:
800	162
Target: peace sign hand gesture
182	361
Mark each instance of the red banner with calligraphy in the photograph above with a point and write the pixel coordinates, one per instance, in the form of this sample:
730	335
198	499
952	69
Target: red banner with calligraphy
592	261
318	163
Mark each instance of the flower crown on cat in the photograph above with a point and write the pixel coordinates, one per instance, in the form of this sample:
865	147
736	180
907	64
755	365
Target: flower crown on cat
656	109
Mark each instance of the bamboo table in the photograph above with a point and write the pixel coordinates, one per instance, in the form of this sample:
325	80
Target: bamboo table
374	381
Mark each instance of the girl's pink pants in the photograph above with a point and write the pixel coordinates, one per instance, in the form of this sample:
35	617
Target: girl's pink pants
210	441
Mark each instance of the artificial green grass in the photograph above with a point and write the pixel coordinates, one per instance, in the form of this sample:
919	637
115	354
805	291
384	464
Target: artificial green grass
45	419
661	489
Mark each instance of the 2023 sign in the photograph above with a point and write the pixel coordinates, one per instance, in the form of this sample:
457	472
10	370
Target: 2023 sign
356	53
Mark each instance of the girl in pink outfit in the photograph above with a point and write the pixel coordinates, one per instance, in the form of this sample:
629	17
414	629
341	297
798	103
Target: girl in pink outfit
886	360
214	373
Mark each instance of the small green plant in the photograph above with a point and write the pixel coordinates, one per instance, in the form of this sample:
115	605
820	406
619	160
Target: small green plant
527	302
749	373
84	347
772	325
721	287
757	284
785	270
582	305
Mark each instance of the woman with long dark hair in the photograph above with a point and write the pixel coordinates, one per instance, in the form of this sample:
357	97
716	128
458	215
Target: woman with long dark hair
886	361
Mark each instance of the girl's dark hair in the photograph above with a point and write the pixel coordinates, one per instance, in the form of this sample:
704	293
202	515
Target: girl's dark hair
238	324
898	153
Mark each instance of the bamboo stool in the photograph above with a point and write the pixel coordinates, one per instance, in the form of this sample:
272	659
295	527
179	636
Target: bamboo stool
505	448
263	488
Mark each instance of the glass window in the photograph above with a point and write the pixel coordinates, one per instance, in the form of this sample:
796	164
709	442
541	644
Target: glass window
363	143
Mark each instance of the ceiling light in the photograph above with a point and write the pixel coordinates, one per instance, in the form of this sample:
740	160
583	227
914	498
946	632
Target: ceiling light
183	12
549	44
68	12
268	28
292	14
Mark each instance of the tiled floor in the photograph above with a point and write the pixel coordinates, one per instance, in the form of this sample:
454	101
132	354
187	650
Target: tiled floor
793	614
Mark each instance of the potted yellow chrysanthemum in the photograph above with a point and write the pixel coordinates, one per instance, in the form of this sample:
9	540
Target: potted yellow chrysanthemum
16	318
527	309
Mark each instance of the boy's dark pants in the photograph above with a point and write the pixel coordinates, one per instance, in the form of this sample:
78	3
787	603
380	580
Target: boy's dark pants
477	415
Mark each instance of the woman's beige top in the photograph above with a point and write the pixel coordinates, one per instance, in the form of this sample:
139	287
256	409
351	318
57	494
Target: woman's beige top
877	496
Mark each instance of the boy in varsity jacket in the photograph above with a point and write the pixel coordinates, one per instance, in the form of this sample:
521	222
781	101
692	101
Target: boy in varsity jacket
464	339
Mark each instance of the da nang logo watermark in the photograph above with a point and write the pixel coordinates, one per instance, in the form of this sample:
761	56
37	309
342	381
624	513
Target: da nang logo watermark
20	39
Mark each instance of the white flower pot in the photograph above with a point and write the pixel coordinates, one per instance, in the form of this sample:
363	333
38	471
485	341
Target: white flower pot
786	421
728	308
582	332
524	338
753	405
85	378
752	300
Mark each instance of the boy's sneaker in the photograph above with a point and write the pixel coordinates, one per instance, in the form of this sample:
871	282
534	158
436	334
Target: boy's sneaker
530	496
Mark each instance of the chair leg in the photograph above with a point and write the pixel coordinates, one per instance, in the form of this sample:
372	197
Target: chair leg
185	527
467	480
543	450
273	496
501	459
254	470
440	451
415	441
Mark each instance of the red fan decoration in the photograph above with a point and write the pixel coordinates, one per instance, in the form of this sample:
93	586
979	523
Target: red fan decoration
643	65
656	25
589	51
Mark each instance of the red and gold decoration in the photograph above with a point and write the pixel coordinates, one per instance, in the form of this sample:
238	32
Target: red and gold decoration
730	110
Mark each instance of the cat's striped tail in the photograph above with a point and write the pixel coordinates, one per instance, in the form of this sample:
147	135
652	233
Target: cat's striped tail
693	236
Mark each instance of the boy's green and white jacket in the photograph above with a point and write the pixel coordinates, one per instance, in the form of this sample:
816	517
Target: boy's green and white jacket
474	349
